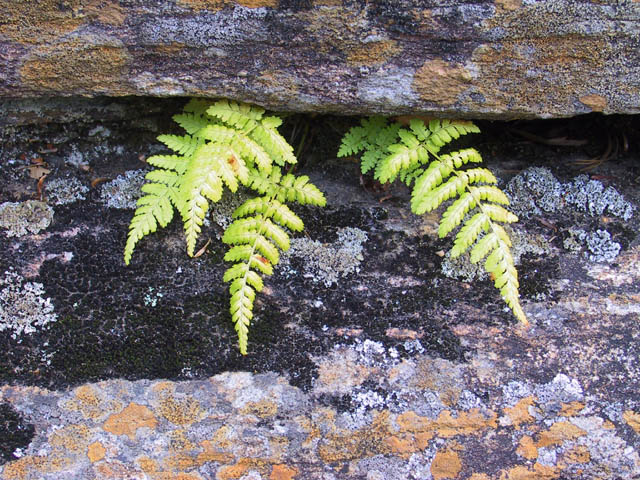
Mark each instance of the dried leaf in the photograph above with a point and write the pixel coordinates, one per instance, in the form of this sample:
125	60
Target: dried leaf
97	181
40	187
202	250
38	171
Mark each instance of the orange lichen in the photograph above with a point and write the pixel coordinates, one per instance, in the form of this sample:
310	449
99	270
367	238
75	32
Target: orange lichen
544	59
347	445
527	448
576	454
212	453
539	472
109	12
372	53
508	4
25	466
180	411
261	409
558	433
73	438
403	445
597	103
519	413
571	409
36	22
129	420
215	5
241	467
340	374
446	464
441	376
96	452
441	82
75	66
633	420
283	472
89	402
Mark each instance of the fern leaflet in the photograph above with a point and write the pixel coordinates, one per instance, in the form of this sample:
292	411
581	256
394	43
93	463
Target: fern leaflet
226	144
413	156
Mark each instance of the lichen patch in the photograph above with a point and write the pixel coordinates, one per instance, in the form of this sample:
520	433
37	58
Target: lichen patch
441	82
77	66
22	218
446	464
372	53
597	103
129	420
633	420
23	307
216	5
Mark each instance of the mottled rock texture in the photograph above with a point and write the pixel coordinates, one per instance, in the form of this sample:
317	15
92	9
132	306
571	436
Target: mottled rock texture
474	58
366	361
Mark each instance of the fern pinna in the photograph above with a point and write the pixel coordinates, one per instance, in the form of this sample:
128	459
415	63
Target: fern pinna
232	144
413	155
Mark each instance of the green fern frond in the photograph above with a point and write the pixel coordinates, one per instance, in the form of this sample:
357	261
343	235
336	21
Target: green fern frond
255	241
192	123
266	134
169	162
287	188
155	208
227	143
237	115
183	144
353	142
413	156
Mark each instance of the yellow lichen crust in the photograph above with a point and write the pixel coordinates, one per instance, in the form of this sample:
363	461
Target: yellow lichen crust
129	420
441	82
372	53
215	5
76	66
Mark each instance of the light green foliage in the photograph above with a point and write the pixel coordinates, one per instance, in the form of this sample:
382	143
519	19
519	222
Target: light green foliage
227	144
413	155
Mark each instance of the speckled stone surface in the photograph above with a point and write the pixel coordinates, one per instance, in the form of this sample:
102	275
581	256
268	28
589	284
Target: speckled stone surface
480	59
389	368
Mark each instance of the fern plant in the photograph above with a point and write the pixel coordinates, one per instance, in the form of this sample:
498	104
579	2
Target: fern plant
413	155
232	144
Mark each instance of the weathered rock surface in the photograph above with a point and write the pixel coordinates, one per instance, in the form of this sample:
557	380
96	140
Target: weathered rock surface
365	360
502	58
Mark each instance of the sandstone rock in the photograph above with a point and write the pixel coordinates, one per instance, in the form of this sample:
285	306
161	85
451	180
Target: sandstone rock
506	59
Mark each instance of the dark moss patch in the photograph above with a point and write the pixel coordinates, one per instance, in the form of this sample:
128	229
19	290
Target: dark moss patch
15	432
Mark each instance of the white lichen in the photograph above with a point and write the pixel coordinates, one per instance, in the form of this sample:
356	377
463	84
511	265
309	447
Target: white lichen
61	191
23	308
327	262
124	191
22	218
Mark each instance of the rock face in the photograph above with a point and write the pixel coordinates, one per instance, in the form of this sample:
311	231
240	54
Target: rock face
367	359
473	58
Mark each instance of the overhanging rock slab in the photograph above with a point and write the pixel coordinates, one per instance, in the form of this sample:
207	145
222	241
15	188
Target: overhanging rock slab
482	59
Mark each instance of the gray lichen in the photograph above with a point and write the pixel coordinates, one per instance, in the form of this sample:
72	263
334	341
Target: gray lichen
123	192
61	191
22	218
599	245
461	268
23	308
536	191
591	196
327	263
